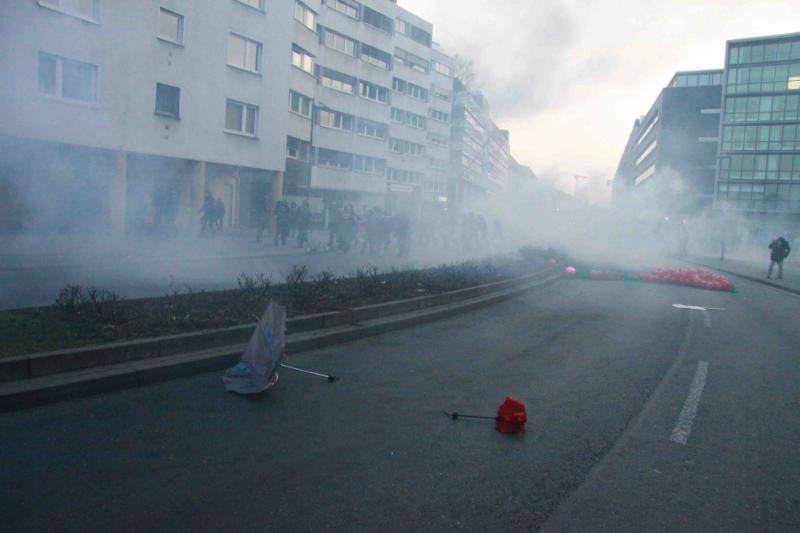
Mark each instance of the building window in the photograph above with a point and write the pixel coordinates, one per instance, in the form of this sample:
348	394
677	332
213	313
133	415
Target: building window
399	86
373	92
441	116
397	115
297	149
369	165
258	4
647	152
421	36
400	146
413	32
335	120
300	104
415	91
442	69
170	26
377	20
441	94
244	53
402	27
302	59
376	57
241	118
338	81
410	60
397	175
67	78
646	173
304	15
333	159
441	142
416	121
339	42
85	9
168	100
648	130
345	7
371	129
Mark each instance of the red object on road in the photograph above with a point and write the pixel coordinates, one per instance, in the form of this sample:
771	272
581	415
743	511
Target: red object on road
692	278
511	416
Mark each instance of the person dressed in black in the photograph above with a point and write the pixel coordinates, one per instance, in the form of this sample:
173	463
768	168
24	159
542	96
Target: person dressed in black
263	218
303	221
281	222
219	212
208	215
334	221
293	210
780	251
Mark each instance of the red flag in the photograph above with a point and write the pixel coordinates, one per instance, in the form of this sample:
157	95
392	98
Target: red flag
511	416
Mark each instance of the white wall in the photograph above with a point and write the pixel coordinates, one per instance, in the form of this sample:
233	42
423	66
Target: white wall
131	60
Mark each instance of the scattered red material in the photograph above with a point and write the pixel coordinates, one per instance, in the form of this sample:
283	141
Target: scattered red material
511	416
692	278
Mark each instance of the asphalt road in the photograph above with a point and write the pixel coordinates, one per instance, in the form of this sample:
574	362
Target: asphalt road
610	373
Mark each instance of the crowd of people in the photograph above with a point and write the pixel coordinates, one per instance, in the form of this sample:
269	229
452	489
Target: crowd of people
378	232
374	233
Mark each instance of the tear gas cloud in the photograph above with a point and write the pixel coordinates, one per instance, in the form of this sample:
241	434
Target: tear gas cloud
56	200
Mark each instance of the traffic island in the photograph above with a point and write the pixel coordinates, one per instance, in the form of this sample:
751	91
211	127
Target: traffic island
34	379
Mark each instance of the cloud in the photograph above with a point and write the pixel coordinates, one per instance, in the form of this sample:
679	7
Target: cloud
569	77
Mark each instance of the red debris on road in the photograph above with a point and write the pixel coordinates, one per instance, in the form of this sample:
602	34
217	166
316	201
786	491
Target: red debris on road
511	416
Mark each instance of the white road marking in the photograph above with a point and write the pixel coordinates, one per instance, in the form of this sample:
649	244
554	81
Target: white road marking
706	318
684	426
705	310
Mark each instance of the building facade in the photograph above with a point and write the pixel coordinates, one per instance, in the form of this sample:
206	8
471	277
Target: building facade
759	154
668	165
370	104
480	153
123	115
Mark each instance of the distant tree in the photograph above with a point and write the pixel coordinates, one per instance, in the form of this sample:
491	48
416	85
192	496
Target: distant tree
464	70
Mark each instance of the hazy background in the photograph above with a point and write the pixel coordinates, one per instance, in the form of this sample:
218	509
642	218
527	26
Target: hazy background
569	77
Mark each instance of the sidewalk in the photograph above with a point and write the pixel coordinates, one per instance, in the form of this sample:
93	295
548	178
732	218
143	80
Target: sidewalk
755	271
69	251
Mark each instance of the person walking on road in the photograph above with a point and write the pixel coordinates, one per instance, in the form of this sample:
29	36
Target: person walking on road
780	251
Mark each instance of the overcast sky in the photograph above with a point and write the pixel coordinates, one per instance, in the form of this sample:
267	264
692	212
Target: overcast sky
569	77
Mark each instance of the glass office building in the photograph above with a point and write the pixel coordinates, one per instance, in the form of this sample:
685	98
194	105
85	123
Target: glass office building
759	150
670	158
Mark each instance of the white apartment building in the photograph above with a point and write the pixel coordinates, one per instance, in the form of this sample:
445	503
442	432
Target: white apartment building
370	105
120	114
480	153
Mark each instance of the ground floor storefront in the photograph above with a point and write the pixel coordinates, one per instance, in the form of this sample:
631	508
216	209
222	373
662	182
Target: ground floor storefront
50	187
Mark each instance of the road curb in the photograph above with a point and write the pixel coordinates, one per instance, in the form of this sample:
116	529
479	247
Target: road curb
37	365
748	277
75	384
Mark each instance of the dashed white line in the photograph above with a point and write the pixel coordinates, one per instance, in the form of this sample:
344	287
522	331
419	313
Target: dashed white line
684	426
707	318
